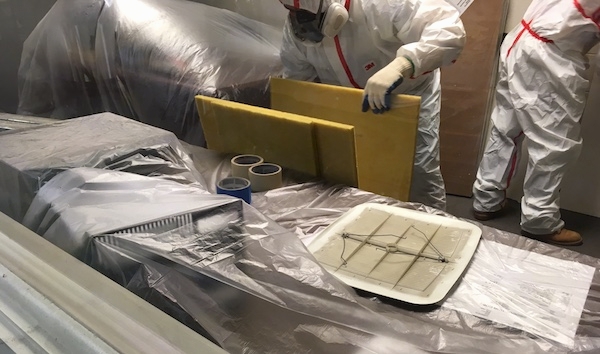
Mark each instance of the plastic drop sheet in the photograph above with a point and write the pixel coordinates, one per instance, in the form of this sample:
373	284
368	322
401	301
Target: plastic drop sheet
547	294
146	60
240	278
240	274
309	207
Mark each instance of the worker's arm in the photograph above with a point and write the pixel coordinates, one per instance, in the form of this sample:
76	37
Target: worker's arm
433	38
431	35
293	57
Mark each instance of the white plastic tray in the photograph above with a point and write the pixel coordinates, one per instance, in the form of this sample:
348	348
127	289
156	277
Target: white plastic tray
400	253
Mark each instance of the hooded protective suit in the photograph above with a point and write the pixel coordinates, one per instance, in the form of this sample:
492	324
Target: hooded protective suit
429	33
541	96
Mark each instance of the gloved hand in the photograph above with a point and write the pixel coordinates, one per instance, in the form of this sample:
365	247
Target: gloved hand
377	94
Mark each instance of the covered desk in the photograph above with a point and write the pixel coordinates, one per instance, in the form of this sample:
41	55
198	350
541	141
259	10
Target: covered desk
309	207
257	289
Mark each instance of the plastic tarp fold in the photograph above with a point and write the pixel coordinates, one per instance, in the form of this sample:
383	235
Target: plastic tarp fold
146	60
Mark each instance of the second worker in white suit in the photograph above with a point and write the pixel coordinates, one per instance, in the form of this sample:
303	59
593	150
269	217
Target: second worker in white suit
540	96
382	46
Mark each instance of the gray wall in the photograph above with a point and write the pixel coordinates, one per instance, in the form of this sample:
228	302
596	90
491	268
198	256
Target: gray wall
17	19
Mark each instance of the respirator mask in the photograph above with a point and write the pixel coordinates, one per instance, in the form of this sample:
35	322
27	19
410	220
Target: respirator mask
311	27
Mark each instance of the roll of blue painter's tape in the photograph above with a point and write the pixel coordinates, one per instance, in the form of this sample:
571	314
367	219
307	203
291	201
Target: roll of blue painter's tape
236	187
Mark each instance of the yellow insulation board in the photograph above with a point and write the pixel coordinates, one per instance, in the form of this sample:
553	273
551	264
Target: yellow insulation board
309	145
385	143
336	151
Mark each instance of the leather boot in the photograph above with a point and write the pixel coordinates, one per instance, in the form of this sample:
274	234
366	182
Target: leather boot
563	237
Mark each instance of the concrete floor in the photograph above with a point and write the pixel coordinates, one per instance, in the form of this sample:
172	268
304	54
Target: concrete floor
588	226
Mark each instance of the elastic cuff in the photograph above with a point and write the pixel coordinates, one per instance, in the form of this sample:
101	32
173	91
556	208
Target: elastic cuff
412	65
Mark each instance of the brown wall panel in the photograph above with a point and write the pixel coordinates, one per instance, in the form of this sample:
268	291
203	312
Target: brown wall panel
467	91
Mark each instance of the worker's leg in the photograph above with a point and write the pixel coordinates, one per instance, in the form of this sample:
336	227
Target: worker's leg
552	91
540	209
427	182
501	156
554	141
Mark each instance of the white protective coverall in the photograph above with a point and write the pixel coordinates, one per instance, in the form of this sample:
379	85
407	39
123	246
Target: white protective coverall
427	32
541	96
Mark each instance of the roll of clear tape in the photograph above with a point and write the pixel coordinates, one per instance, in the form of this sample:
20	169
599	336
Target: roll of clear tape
241	163
265	176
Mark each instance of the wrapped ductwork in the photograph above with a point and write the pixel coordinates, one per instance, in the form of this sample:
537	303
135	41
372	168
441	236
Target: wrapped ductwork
31	157
146	60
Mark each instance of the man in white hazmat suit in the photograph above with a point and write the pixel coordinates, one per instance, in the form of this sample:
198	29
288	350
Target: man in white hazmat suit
381	46
540	96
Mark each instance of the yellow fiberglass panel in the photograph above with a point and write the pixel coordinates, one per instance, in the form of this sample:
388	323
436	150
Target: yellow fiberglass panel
243	129
384	143
305	144
335	149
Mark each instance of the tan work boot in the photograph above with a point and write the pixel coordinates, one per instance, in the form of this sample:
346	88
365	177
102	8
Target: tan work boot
563	237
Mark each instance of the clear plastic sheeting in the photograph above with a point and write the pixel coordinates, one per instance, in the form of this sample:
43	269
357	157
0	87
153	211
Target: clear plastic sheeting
553	290
248	282
267	11
309	207
238	273
31	157
13	121
146	60
74	195
56	78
